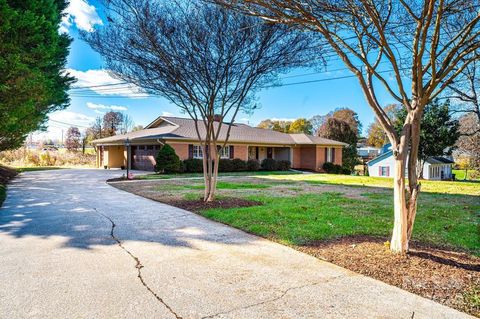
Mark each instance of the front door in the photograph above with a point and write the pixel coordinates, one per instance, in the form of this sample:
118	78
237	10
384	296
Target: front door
269	152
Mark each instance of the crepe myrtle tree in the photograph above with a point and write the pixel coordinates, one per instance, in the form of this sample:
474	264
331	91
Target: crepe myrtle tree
410	49
207	60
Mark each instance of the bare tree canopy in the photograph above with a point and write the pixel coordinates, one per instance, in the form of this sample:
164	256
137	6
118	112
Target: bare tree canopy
205	59
465	92
410	49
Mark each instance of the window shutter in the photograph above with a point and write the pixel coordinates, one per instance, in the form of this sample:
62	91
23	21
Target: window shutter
190	151
379	171
326	154
232	154
388	171
333	155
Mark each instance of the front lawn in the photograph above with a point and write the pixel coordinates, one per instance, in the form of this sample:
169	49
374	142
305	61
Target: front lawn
200	175
348	220
443	187
461	173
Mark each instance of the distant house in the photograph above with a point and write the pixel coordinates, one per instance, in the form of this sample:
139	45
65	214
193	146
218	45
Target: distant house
435	168
245	142
368	152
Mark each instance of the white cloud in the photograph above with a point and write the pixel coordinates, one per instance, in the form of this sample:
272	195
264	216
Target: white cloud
82	14
60	122
101	82
96	107
167	114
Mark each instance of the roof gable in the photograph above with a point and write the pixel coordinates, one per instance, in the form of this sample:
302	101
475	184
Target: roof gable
165	127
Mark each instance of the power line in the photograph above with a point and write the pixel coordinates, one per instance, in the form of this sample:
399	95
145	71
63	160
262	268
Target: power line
69	124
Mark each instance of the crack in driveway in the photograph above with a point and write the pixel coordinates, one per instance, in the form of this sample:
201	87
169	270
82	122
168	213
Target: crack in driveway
138	264
283	294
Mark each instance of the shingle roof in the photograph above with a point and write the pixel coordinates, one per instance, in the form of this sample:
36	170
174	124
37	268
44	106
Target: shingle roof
183	128
439	160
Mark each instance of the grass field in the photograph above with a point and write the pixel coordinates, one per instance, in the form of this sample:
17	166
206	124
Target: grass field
302	208
460	174
199	175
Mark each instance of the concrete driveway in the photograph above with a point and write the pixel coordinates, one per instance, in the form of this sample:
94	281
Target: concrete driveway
72	246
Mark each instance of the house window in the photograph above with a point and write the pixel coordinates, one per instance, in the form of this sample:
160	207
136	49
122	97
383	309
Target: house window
197	151
225	152
330	151
384	171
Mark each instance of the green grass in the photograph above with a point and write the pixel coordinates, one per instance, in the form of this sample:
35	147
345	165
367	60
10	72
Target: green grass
448	187
460	174
220	185
199	175
443	220
36	168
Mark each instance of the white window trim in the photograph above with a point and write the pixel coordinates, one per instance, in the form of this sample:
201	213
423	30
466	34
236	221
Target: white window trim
225	152
329	154
197	152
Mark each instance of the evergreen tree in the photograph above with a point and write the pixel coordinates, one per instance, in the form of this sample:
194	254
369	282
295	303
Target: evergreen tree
339	130
167	161
439	131
33	56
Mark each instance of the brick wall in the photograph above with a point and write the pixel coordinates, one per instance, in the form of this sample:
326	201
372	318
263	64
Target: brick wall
321	150
180	149
240	151
338	156
297	158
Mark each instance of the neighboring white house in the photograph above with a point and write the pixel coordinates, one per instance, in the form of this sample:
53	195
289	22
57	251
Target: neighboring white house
435	168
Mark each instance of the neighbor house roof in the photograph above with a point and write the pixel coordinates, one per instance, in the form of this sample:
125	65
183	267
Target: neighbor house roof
430	160
439	160
175	128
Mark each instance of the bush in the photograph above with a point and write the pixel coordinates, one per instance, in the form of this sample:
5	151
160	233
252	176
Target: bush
167	161
331	168
239	165
193	165
253	165
269	164
225	165
283	165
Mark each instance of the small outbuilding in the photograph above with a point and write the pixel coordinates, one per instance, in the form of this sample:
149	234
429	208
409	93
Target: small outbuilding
435	167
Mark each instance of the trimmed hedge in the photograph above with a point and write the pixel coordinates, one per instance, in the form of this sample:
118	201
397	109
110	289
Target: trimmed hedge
237	165
167	161
331	168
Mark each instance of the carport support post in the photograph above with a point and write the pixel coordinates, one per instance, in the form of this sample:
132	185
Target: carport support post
127	145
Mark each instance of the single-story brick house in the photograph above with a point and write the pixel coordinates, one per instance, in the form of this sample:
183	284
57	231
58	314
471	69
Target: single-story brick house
245	142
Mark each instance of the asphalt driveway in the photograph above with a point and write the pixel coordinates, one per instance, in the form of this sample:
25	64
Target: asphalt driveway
73	246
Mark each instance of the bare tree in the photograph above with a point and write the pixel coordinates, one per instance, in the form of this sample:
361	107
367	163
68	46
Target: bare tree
465	92
127	124
423	45
205	59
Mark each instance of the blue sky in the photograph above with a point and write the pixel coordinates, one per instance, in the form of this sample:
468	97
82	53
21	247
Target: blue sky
288	102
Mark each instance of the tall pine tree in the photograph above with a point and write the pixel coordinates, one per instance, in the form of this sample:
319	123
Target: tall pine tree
33	56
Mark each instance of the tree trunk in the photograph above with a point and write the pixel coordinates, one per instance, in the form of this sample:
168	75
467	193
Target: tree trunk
399	242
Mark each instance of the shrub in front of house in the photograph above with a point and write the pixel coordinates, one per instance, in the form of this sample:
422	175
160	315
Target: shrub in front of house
283	165
269	164
253	165
193	165
167	161
238	165
225	165
331	168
